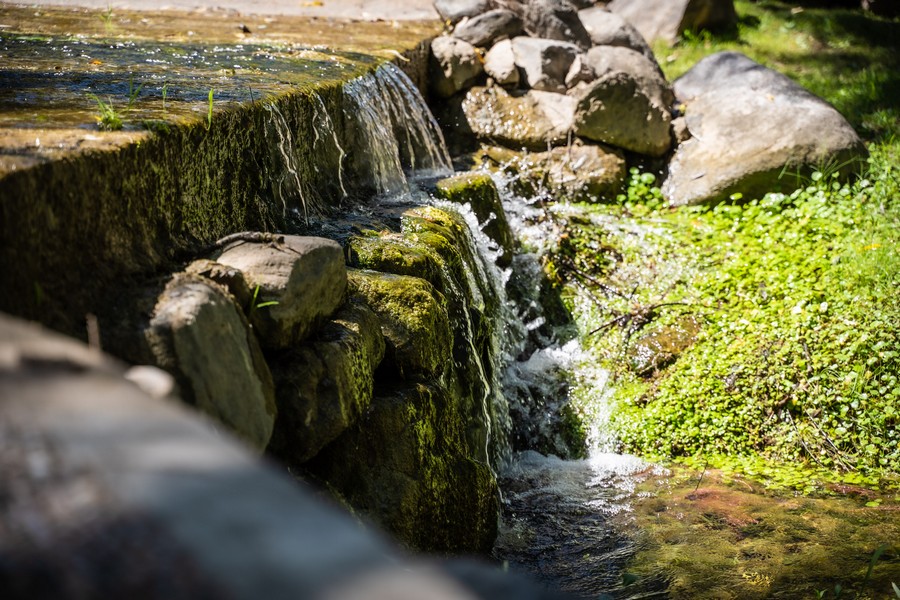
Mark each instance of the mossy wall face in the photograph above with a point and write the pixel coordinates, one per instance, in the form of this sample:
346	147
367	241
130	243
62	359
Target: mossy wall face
73	231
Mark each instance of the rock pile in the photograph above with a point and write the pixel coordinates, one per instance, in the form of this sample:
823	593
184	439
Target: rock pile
531	75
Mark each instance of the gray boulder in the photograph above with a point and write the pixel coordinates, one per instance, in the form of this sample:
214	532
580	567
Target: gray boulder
324	386
534	119
199	334
545	63
555	20
457	10
484	29
624	109
305	278
500	64
454	65
110	493
668	19
646	71
748	125
609	29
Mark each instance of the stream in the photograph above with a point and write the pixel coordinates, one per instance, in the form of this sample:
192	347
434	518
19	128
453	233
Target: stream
610	525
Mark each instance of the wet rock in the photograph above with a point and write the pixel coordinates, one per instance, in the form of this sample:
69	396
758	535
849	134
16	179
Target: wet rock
413	320
408	466
455	65
658	349
484	29
668	19
545	63
616	110
199	334
324	386
580	72
555	20
304	277
609	29
646	71
456	10
583	172
532	119
397	254
748	124
479	191
500	64
580	172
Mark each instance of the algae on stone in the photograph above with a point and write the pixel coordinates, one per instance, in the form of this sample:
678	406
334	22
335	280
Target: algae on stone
479	191
407	465
324	386
413	319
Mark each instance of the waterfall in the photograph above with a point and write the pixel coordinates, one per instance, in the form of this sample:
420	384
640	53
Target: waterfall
381	110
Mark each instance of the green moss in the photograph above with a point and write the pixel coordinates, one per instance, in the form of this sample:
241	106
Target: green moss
144	207
407	465
414	320
479	191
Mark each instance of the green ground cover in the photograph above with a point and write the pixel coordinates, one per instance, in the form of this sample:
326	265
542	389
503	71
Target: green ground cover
792	376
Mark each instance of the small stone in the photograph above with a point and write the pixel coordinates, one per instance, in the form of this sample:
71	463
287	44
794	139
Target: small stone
555	20
609	29
484	29
455	65
457	10
545	63
500	64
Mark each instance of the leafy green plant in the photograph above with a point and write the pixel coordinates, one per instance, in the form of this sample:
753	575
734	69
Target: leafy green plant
108	118
209	111
107	17
256	304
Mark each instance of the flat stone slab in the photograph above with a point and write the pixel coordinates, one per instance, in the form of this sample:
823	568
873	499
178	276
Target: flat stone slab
241	56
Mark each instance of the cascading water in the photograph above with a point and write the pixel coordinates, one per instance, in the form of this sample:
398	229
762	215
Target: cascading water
381	109
389	139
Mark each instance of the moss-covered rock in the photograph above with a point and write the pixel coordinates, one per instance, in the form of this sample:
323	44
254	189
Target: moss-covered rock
413	320
323	387
395	253
661	347
479	191
407	465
